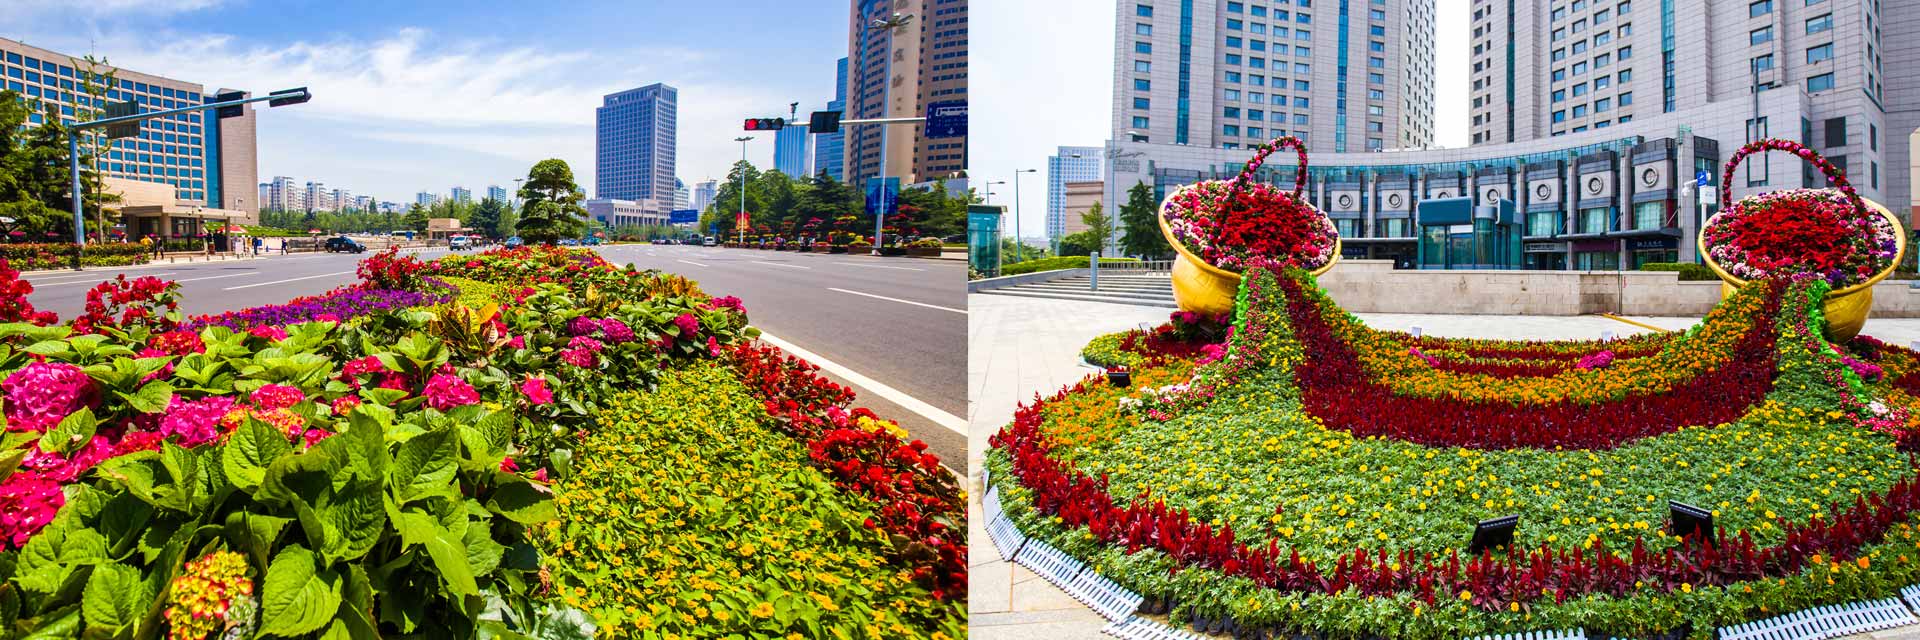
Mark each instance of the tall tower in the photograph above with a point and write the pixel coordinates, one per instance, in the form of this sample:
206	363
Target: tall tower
635	145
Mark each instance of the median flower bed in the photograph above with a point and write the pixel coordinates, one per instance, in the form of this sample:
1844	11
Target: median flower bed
1286	484
396	458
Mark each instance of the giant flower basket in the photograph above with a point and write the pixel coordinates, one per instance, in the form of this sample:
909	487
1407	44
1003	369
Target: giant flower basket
1833	234
1220	228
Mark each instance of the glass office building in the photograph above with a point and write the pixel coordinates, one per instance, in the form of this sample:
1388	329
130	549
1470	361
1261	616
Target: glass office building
635	145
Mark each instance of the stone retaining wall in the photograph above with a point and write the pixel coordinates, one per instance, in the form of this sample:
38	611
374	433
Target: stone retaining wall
1374	286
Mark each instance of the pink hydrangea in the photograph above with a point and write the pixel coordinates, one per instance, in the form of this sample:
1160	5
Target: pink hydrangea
579	357
363	366
345	405
583	326
277	396
585	343
727	302
178	343
518	342
616	331
269	332
444	392
713	346
688	324
40	394
1594	361
536	391
197	422
313	436
27	503
508	465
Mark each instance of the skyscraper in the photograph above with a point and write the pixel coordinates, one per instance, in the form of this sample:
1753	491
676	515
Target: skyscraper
496	194
319	198
897	73
681	198
635	146
703	193
790	152
283	194
462	195
1070	164
425	199
1344	76
829	149
207	160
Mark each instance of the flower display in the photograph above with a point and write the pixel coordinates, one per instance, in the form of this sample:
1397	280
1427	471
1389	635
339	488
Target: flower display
446	391
195	422
207	595
536	391
1239	224
41	393
1830	234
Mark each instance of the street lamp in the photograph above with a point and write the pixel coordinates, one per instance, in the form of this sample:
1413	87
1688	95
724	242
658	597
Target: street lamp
1016	212
990	189
740	233
890	24
280	98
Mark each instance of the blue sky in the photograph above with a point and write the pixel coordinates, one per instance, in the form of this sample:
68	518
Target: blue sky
414	95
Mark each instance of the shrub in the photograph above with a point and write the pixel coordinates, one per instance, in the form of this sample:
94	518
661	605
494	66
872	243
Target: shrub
1688	271
36	256
1054	263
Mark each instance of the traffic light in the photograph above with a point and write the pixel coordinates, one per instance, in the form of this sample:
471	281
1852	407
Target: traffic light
289	96
124	129
234	111
766	124
824	122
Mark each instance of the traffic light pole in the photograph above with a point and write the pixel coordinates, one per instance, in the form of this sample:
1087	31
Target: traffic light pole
293	96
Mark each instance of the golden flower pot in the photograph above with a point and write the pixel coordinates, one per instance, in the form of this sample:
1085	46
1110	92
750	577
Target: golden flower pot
1206	289
1846	308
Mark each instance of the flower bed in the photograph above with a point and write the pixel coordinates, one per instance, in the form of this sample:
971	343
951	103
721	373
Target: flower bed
387	459
1239	224
1291	486
1828	234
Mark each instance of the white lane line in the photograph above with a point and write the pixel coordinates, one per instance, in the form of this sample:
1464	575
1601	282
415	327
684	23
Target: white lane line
230	275
951	422
878	266
917	304
262	284
96	279
776	264
691	263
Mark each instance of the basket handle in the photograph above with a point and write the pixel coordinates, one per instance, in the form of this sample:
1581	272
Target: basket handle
1245	178
1834	176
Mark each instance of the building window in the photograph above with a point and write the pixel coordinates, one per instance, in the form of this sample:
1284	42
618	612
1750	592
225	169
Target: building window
1142	84
1144	11
1821	53
1761	8
1143	29
1626	99
1594	220
1233	94
1820	82
1763	63
1142	47
1836	131
1142	66
1141	103
1543	223
1650	215
1231	130
1819	24
1761	35
1230	112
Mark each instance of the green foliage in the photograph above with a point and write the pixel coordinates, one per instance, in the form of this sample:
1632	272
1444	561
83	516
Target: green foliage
552	208
682	522
486	218
1050	264
784	206
416	218
1140	223
1688	271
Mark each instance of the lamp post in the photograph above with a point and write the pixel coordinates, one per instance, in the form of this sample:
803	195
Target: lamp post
1016	212
740	233
276	99
890	25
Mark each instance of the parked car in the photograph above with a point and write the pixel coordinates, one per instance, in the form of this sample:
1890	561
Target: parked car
514	242
457	243
709	242
344	244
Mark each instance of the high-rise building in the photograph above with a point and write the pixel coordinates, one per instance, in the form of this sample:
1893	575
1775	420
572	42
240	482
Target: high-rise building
425	198
342	199
790	150
829	149
635	145
319	198
283	194
682	199
462	195
1545	68
209	161
1069	164
1345	76
898	73
265	194
496	194
703	193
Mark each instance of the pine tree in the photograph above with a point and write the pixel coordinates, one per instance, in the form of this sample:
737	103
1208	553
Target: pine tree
1141	224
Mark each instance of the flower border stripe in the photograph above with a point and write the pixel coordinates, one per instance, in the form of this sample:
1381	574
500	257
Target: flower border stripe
1006	537
1102	595
1050	563
1138	628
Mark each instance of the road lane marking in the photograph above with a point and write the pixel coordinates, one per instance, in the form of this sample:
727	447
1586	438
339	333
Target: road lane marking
94	280
917	304
949	421
262	284
878	266
691	263
230	275
776	264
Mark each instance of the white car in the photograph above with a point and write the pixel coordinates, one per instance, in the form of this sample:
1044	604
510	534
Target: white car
460	242
709	242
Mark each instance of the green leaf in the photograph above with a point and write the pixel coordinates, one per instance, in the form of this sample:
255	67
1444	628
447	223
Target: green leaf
449	555
10	461
72	432
49	348
425	465
498	427
356	521
415	527
251	448
297	597
521	502
62	624
114	598
483	554
152	398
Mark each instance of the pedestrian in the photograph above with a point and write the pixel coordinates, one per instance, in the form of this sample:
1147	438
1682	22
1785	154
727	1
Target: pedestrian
146	243
256	245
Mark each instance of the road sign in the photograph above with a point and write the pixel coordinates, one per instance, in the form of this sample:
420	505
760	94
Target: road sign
679	216
946	119
882	196
1702	178
233	111
124	129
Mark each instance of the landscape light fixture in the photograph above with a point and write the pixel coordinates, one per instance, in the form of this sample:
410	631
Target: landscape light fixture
1690	521
1120	377
1493	534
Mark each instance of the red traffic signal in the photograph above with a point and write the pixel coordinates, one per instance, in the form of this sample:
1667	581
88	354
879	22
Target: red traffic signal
766	124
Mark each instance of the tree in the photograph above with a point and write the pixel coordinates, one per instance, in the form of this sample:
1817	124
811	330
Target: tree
1080	244
486	217
552	210
1140	221
416	218
1099	225
726	199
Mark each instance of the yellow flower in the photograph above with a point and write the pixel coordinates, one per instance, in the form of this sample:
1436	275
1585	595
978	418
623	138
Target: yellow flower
762	610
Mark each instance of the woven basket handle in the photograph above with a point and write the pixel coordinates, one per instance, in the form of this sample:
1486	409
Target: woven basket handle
1245	178
1834	176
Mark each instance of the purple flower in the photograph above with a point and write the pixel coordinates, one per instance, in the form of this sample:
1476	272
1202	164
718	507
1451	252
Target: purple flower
1594	361
583	326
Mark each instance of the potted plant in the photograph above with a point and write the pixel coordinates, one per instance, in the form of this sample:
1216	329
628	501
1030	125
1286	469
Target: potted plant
823	247
924	248
1119	376
1830	234
1220	228
859	247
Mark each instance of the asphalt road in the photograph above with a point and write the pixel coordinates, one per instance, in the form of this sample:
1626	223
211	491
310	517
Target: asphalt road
897	323
893	328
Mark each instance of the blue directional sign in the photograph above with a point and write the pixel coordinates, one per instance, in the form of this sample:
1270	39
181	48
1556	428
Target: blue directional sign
946	119
1702	178
883	195
679	216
